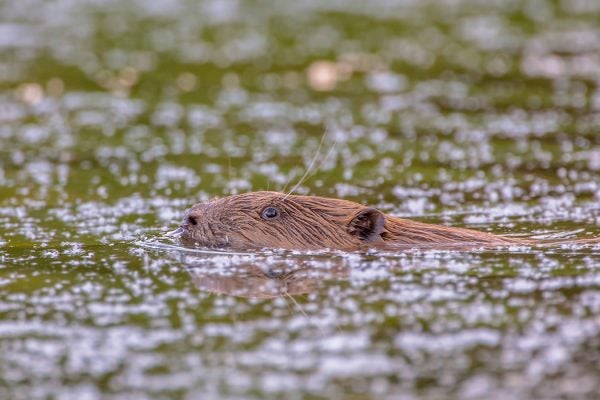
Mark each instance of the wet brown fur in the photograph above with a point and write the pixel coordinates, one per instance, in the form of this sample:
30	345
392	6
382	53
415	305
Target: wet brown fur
314	223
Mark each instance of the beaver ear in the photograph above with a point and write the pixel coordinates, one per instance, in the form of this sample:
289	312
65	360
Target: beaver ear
367	225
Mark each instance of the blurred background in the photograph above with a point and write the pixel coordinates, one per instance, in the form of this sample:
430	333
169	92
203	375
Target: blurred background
117	116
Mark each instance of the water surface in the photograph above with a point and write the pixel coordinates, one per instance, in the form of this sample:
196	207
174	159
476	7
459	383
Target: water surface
116	117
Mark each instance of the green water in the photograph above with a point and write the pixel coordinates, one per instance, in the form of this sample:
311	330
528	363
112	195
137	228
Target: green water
115	117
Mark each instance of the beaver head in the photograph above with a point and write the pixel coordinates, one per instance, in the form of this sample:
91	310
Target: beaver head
275	220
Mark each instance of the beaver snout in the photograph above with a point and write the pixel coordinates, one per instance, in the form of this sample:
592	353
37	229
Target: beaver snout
193	216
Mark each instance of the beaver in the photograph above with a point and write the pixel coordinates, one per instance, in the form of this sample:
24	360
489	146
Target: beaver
276	220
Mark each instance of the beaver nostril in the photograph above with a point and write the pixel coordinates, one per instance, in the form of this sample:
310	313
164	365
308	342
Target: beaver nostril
192	220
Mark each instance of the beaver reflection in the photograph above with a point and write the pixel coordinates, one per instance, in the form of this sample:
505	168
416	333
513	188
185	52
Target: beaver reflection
262	282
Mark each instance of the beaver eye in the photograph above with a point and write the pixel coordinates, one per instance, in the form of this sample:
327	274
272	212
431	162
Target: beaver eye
269	213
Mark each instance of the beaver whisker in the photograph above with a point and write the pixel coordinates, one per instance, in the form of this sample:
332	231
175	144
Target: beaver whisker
310	167
323	160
